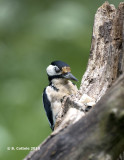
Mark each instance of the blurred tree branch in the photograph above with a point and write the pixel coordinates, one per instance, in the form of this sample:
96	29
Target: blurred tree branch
98	135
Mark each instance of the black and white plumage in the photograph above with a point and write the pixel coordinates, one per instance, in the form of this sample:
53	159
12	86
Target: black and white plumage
59	76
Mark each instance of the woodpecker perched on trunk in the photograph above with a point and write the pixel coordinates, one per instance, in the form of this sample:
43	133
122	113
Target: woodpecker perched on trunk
59	76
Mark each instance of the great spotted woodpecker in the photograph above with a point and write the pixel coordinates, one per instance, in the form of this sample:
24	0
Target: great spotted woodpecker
59	76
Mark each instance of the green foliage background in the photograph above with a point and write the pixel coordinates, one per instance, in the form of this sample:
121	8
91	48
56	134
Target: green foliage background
32	34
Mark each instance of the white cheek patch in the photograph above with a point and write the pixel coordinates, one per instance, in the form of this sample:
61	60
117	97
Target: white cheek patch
51	70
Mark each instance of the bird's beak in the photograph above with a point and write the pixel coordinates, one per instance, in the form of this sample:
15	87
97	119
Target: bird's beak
69	76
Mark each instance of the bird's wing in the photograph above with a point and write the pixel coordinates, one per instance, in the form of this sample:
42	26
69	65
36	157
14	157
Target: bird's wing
47	107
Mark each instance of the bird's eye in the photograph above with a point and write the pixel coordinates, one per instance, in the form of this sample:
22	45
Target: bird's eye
57	69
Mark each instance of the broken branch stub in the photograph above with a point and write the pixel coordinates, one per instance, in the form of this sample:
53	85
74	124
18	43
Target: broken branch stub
106	61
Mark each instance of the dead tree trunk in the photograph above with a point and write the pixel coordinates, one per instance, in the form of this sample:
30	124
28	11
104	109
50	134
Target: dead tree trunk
99	134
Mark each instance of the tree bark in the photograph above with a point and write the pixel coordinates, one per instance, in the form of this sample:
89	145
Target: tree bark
98	134
106	60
